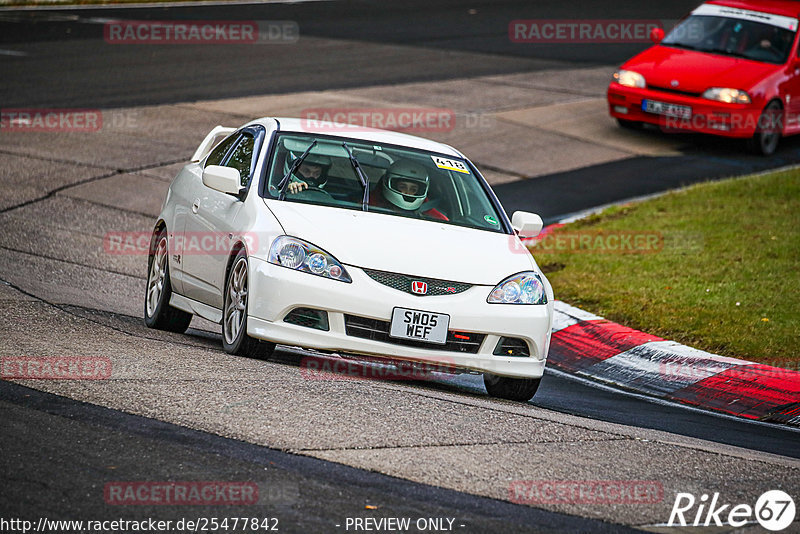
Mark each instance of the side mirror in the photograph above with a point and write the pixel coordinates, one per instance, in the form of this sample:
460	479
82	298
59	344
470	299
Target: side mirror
526	224
657	35
222	179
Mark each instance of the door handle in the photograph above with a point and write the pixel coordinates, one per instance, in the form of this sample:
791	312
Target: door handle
196	206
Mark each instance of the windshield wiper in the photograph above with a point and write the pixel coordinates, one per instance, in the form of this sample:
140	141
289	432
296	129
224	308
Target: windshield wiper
727	53
361	176
284	183
708	50
682	45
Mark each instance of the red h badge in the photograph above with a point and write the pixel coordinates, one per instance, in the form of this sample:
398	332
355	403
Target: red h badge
420	288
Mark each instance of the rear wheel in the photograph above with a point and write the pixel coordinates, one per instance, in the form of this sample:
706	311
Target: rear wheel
157	311
768	132
234	313
515	389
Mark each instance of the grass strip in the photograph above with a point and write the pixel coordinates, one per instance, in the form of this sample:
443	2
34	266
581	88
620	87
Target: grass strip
715	266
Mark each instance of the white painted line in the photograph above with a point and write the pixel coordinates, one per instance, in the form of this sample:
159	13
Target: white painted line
12	53
566	315
684	351
578	313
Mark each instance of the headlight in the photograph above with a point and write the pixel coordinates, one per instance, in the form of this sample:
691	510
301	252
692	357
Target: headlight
628	78
522	288
724	94
299	255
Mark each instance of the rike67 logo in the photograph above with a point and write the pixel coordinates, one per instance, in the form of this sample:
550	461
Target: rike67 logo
774	510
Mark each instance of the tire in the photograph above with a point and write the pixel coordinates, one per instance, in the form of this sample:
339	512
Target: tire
629	125
158	313
234	313
768	132
515	389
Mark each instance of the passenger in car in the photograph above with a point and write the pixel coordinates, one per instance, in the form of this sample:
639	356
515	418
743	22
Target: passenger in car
405	185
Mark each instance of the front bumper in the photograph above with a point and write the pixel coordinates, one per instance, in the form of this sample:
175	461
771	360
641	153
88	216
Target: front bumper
276	291
707	116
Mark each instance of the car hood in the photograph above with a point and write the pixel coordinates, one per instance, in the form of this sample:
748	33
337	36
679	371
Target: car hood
697	71
407	246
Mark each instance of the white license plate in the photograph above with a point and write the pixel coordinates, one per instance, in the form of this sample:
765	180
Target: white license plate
419	325
664	108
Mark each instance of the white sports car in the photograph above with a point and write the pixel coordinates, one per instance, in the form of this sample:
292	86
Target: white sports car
353	240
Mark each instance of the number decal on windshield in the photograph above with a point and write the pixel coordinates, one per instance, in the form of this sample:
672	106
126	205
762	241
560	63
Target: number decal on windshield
450	164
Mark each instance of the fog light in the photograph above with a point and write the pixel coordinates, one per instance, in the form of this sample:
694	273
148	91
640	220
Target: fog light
511	346
309	318
621	109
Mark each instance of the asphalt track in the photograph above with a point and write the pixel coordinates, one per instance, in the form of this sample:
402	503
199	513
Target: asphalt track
305	494
64	68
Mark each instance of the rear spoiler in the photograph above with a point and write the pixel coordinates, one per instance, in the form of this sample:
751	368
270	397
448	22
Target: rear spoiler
211	140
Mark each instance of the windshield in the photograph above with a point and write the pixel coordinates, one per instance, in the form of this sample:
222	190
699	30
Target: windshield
400	181
738	37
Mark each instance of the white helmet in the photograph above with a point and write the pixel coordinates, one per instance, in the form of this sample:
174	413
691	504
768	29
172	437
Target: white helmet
311	159
404	170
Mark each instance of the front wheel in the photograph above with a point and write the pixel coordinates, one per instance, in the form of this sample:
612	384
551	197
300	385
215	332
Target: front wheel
157	311
768	131
234	316
515	389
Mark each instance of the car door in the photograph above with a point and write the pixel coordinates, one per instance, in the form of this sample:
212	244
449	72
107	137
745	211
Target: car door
185	190
210	225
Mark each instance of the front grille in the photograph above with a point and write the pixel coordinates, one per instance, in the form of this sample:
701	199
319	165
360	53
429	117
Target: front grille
376	330
402	282
673	91
309	318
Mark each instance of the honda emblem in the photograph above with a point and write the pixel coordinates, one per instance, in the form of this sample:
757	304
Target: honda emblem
420	288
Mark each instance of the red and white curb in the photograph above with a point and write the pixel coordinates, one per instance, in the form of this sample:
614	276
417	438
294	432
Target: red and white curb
591	347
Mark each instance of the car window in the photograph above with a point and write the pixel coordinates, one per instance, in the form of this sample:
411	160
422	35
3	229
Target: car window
708	31
241	158
402	181
216	155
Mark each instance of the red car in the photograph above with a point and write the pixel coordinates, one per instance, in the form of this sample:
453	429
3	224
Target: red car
730	68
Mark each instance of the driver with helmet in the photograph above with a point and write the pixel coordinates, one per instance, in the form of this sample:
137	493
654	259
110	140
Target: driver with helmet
405	186
313	172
